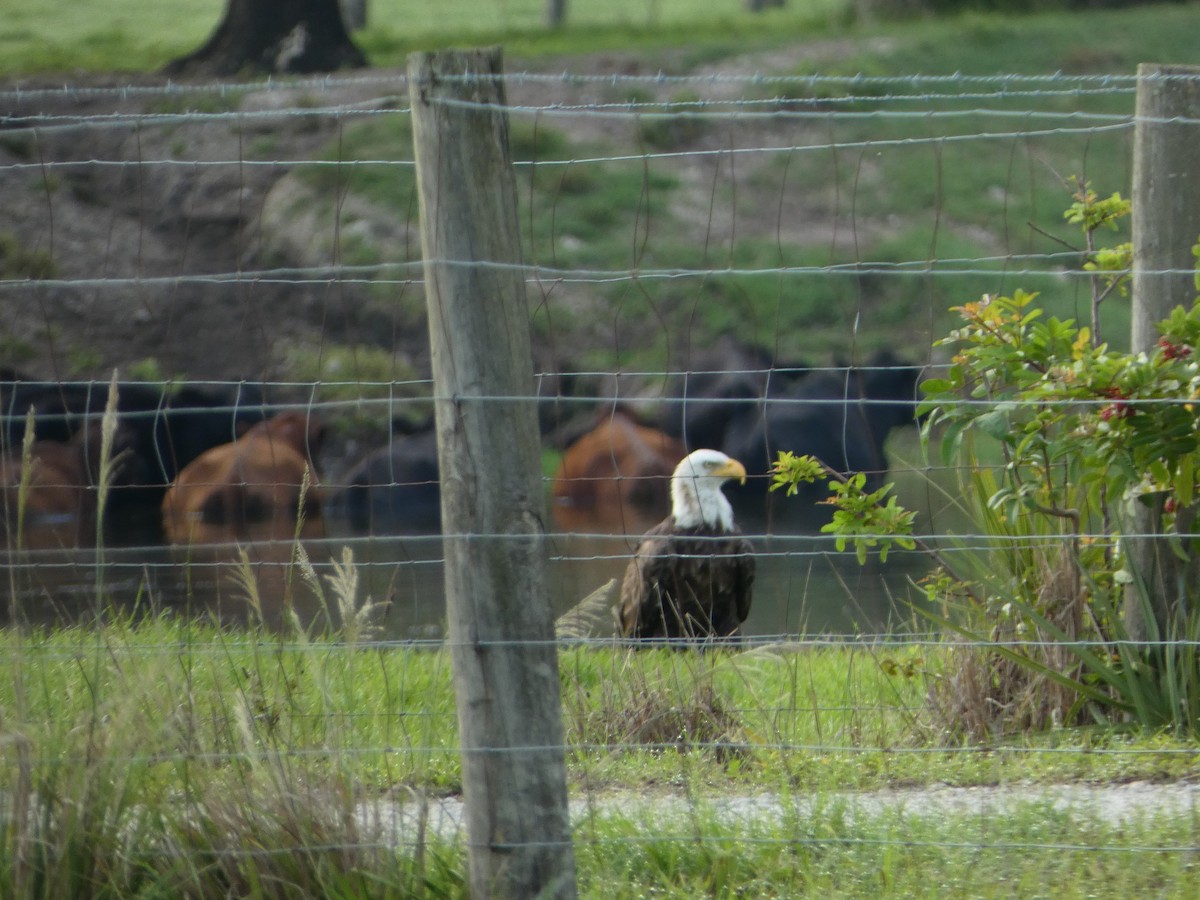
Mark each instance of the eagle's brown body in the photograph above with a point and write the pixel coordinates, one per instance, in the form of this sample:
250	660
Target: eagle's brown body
693	573
687	583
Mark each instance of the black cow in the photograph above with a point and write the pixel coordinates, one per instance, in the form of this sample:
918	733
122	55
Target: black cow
160	430
731	382
394	490
842	417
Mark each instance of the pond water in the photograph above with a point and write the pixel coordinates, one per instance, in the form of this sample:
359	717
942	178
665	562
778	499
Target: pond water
803	586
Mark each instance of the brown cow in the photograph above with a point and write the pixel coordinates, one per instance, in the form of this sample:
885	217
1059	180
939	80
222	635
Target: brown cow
249	490
60	508
60	499
616	477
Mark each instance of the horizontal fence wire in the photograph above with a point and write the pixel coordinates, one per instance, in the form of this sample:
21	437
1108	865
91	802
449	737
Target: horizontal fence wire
781	642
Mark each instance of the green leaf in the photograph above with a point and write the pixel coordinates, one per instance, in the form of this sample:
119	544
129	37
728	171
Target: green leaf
1185	486
936	386
1159	472
952	441
997	423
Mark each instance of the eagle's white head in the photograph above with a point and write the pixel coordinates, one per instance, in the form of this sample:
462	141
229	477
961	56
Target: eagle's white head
696	497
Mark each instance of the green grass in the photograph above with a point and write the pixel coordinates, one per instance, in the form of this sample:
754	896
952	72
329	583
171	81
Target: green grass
134	35
160	751
166	693
593	206
1030	851
619	215
1073	43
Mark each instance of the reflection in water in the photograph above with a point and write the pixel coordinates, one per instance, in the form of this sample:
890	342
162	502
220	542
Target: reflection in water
83	585
802	585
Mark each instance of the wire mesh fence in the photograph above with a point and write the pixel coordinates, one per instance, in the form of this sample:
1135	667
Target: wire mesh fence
805	222
698	251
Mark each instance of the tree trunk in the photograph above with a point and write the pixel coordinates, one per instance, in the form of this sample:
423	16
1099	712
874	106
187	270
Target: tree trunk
354	14
556	13
293	37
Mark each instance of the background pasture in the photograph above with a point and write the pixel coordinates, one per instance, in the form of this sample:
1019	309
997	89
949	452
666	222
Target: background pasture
819	216
123	35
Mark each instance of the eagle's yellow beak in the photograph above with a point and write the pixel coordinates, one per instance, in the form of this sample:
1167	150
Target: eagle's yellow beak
733	469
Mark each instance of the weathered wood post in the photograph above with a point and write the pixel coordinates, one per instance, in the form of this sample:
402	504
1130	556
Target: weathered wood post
501	628
1166	224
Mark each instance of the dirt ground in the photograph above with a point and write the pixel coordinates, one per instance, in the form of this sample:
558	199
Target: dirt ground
75	207
128	220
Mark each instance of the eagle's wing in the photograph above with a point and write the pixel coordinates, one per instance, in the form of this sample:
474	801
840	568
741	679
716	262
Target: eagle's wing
640	611
743	576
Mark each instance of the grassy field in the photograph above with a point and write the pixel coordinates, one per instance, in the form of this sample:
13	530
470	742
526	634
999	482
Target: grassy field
137	35
145	760
134	35
978	180
963	178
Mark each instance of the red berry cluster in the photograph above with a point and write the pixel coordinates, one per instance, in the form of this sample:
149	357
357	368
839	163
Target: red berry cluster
1171	350
1119	410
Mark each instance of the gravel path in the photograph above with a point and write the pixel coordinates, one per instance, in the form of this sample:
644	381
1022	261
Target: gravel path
1114	803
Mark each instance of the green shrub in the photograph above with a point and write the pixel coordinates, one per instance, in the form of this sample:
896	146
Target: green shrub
1088	436
1063	622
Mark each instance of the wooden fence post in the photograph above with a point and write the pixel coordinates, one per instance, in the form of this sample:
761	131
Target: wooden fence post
501	626
1166	224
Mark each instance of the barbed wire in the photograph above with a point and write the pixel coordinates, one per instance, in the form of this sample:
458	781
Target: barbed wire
1005	81
643	157
598	400
739	110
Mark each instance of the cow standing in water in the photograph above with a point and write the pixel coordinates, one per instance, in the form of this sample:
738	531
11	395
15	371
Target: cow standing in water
395	489
59	508
841	417
262	487
60	483
160	429
616	477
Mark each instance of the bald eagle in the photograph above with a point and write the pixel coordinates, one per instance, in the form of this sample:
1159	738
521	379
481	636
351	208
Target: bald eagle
693	572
